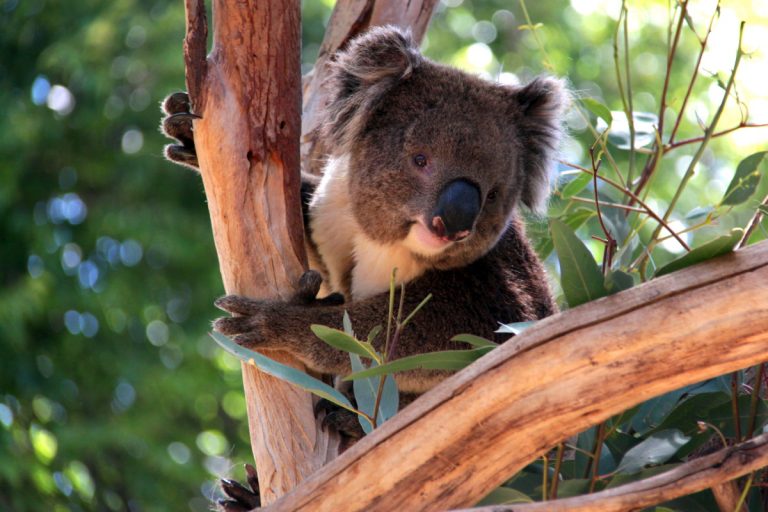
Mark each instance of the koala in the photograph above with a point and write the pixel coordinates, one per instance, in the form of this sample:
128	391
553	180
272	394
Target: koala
427	170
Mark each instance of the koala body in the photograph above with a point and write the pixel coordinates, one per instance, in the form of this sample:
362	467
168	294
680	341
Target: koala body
426	171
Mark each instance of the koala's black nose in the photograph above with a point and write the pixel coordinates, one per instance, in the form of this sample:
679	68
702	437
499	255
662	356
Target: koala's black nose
456	210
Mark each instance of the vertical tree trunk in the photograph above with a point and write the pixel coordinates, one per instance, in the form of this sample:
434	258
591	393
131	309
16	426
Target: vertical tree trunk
248	94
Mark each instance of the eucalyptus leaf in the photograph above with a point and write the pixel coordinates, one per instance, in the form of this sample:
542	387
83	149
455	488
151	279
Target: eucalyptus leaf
347	325
475	341
617	281
574	219
580	276
699	212
598	109
444	360
745	180
576	185
343	341
712	249
504	496
366	390
645	124
284	372
514	328
656	449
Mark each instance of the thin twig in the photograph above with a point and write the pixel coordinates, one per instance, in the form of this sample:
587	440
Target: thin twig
757	218
673	145
636	199
558	466
697	156
608	204
695	75
610	243
652	161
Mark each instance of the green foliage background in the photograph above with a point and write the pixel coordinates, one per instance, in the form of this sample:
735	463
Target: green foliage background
112	396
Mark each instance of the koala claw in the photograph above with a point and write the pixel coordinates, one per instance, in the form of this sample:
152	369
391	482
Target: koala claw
177	102
177	124
240	498
239	305
309	285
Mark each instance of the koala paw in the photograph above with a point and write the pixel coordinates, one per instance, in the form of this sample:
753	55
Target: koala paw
239	497
250	328
341	420
177	124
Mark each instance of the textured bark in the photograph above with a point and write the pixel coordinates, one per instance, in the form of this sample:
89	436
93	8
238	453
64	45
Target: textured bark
350	18
716	470
727	494
248	92
469	434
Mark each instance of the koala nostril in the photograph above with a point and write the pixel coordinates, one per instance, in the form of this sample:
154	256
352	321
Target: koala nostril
439	226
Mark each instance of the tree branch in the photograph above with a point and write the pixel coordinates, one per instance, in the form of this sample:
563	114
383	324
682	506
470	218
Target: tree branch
715	470
458	442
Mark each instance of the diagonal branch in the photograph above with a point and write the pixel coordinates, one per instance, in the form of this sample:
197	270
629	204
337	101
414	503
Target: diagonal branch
688	478
461	440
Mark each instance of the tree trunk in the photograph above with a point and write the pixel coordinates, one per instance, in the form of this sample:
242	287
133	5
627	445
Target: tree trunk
455	444
248	93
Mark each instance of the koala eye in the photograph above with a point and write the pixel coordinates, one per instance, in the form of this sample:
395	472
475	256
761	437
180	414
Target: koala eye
420	160
492	195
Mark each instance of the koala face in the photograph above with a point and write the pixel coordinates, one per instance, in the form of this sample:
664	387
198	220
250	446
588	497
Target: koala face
438	158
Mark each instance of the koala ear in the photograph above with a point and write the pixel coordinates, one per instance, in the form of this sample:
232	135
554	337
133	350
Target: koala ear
362	74
538	110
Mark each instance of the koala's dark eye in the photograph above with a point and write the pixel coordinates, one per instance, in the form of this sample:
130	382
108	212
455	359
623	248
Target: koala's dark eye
420	160
492	195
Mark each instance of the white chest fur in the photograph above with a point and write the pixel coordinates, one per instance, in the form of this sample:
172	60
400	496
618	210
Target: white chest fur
350	256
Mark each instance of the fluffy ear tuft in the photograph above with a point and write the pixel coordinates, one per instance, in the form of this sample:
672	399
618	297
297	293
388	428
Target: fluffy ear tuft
362	74
539	108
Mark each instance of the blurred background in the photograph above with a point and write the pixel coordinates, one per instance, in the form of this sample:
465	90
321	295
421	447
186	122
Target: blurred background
112	396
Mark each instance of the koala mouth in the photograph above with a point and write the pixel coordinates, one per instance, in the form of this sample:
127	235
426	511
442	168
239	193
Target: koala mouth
428	242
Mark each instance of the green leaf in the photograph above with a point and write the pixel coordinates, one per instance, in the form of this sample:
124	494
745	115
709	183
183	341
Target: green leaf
699	211
444	360
343	341
514	328
598	109
745	180
645	124
372	335
763	209
504	496
617	281
475	341
576	185
284	372
365	391
656	449
712	249
579	274
574	219
346	323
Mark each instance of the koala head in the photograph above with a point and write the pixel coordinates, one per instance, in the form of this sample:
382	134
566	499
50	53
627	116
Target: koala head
438	158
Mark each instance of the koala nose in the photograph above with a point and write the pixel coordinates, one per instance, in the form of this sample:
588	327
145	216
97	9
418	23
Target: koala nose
456	210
